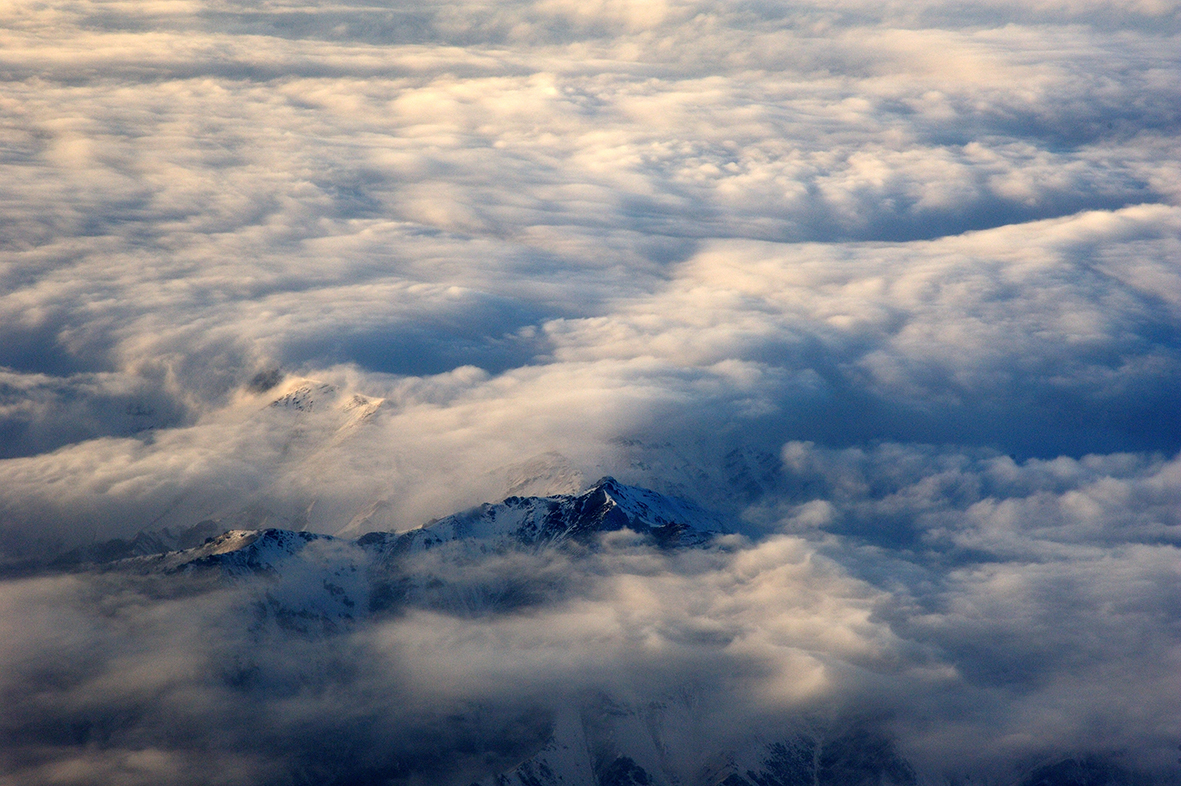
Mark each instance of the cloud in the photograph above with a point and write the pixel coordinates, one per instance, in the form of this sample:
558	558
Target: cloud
1016	338
1037	340
892	286
1037	582
972	670
412	207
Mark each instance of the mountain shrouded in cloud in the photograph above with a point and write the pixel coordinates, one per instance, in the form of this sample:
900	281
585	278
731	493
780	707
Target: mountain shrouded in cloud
889	292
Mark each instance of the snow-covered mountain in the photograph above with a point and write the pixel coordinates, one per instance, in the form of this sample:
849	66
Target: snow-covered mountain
608	506
526	522
147	542
297	590
314	581
308	584
300	582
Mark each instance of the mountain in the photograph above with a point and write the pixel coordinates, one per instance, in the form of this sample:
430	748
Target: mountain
313	583
292	594
608	506
144	543
517	522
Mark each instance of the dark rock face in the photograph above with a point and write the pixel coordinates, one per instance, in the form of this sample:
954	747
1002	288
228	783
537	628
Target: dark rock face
863	758
624	772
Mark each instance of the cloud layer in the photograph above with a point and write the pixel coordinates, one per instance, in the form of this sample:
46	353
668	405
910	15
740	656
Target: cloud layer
893	286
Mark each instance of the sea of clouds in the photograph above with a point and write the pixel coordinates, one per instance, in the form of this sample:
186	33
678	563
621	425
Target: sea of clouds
894	286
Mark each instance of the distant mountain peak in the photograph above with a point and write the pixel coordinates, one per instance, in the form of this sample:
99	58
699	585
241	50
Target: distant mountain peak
311	395
607	506
305	396
250	539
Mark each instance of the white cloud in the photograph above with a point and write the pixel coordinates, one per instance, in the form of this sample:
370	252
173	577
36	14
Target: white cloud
931	247
204	192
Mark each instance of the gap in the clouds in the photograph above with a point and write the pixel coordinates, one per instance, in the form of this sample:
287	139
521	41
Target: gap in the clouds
1103	127
416	350
1028	414
40	351
42	413
983	215
1068	426
18	438
379	25
892	217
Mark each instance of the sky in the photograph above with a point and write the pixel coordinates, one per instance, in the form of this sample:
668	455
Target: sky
895	287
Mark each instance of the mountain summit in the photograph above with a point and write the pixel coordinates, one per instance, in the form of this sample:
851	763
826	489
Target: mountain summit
314	582
607	506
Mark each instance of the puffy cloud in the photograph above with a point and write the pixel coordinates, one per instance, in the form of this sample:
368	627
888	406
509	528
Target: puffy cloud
199	194
929	247
973	669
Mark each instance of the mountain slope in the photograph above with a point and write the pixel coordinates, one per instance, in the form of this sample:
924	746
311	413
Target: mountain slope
608	506
311	582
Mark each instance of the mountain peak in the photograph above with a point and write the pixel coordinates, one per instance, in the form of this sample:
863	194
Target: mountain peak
607	506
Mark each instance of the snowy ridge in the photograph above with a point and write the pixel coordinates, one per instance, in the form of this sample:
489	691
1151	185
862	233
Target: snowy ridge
309	395
145	543
311	585
241	552
608	506
306	396
312	407
310	581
